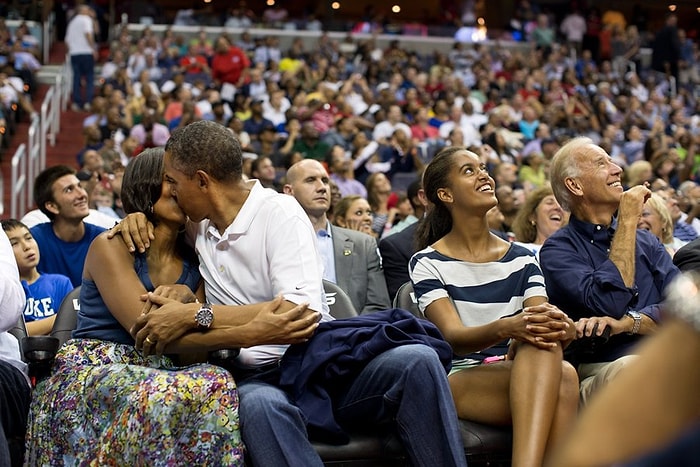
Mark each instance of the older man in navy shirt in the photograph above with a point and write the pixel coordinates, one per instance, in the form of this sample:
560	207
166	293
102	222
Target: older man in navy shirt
600	269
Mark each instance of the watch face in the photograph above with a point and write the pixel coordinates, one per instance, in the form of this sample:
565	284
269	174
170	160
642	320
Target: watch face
204	317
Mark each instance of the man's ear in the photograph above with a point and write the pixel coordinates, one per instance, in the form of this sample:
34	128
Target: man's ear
573	186
203	179
51	207
444	195
287	189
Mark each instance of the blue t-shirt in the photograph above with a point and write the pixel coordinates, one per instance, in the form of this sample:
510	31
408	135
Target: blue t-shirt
45	295
59	257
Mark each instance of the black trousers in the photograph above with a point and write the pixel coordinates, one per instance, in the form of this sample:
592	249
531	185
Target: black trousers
15	395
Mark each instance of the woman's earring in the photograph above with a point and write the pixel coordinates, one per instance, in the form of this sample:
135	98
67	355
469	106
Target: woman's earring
533	223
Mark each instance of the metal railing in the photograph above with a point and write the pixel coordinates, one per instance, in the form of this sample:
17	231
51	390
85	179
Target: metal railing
29	159
18	186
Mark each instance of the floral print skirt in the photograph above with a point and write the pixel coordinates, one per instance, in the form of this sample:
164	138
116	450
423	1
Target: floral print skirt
106	404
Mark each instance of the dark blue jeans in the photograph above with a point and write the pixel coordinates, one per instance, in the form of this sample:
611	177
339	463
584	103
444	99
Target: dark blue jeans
406	385
83	68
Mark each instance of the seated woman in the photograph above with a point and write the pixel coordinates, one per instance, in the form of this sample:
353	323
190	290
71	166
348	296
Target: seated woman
378	195
538	218
353	212
656	219
105	402
482	291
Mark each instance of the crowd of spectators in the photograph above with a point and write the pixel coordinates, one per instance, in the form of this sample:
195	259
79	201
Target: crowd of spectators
363	110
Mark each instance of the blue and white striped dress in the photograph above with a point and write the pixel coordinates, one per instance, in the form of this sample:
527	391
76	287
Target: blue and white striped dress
481	292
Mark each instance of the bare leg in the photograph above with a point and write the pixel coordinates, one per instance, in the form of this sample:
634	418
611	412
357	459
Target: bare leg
567	407
536	392
534	396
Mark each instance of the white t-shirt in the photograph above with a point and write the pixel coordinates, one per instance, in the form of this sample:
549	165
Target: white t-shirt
269	249
76	35
36	217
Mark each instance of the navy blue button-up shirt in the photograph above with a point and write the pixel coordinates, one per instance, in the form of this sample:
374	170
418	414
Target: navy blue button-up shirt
583	282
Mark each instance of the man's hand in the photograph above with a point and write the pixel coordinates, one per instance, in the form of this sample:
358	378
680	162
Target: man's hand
136	231
272	326
584	326
167	321
632	202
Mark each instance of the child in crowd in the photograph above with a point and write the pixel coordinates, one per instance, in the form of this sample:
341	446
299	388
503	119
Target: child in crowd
44	292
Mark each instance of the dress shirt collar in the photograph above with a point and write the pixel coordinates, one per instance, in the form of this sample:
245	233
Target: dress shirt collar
593	232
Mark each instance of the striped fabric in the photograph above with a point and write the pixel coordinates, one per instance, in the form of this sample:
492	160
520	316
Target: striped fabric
481	292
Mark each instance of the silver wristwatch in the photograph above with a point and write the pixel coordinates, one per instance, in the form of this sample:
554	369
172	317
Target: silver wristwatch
204	316
637	317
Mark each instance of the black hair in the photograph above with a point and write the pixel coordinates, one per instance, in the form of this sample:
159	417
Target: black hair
43	186
143	183
11	224
438	220
208	146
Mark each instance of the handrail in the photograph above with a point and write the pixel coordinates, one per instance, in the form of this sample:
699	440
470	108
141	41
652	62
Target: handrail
18	188
30	158
36	144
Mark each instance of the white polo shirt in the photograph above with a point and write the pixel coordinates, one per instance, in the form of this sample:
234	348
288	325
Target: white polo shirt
269	249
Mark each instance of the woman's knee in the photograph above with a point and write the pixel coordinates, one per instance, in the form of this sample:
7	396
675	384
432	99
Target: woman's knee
569	385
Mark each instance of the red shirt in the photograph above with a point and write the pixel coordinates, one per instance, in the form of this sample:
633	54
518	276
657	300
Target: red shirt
228	67
193	63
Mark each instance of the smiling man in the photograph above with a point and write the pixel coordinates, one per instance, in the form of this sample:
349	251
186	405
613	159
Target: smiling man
599	268
65	239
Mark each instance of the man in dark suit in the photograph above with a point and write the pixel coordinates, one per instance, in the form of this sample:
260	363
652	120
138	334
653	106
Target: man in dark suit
687	258
396	251
350	258
397	248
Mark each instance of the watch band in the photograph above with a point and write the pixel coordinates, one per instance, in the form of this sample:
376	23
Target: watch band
637	317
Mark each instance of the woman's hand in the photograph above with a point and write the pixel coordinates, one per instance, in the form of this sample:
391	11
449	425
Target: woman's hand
543	326
178	292
136	231
359	225
548	323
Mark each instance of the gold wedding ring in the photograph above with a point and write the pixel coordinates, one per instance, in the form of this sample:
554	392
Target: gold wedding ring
148	339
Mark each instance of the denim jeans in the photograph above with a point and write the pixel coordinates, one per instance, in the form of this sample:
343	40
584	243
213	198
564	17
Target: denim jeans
83	67
406	384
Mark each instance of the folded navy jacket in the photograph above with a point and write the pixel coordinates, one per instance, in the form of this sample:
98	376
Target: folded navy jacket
312	373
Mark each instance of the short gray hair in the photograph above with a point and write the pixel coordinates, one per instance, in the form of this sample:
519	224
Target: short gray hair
565	165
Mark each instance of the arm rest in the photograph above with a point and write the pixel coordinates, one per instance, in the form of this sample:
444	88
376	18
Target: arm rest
39	349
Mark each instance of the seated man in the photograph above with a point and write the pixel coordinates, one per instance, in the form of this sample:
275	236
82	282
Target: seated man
64	241
44	292
15	393
350	258
253	245
600	269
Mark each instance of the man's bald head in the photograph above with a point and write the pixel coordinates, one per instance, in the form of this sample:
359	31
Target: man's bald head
308	182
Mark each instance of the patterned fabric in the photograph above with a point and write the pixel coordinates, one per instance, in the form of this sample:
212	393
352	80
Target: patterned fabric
105	404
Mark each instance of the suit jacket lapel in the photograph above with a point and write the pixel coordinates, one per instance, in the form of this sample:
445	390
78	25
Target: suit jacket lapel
343	248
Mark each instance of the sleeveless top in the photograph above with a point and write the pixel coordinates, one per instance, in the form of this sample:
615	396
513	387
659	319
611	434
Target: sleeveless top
95	321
